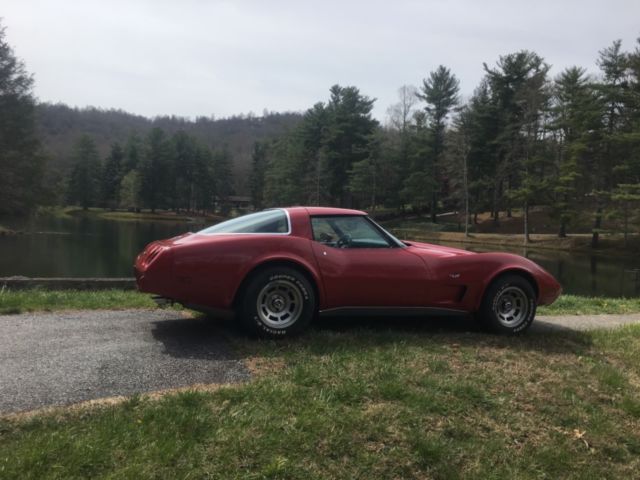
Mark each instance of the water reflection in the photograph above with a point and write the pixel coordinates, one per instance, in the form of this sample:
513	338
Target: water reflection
80	246
88	246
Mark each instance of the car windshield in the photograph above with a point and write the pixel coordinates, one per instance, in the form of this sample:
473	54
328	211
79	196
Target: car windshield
269	221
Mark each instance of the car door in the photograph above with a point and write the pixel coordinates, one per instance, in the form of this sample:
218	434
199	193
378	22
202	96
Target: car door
361	267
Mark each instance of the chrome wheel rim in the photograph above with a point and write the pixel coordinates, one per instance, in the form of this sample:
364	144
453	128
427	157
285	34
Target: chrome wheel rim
279	303
511	307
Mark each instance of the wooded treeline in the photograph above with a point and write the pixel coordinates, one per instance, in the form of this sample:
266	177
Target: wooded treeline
59	127
570	143
524	139
156	172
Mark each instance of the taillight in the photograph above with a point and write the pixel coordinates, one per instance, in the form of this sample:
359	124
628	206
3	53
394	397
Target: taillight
151	254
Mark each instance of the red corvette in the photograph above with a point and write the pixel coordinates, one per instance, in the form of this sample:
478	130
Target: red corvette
278	268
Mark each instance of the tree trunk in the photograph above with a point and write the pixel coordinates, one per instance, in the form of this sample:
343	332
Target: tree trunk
526	223
596	227
563	228
495	210
626	223
466	201
434	201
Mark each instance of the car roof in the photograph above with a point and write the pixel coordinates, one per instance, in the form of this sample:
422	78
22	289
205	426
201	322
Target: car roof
328	211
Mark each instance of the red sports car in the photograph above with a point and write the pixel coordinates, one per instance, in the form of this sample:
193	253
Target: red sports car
279	268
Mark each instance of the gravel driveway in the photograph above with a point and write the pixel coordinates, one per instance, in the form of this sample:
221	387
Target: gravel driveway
68	357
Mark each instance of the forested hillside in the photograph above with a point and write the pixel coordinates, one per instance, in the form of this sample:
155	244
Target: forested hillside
59	127
568	143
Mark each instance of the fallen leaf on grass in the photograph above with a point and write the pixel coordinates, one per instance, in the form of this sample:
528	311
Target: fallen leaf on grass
579	435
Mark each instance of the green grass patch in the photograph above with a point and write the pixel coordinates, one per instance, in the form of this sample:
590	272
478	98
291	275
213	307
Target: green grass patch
578	305
383	401
18	301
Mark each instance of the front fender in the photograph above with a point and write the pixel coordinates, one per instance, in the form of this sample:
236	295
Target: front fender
497	264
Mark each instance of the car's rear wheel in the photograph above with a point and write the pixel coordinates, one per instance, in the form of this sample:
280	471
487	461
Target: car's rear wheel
277	302
509	305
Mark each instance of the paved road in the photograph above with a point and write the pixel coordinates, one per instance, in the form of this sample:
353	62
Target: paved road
63	358
584	322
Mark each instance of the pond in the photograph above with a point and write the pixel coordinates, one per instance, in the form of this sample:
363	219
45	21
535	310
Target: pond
90	246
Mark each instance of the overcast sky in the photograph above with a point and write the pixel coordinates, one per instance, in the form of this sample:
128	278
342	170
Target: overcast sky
197	57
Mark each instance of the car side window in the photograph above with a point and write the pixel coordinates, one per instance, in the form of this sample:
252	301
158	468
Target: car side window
347	232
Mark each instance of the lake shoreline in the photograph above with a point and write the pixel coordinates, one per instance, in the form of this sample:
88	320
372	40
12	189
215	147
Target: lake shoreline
610	244
145	216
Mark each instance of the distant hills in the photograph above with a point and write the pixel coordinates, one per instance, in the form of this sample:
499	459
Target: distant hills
59	126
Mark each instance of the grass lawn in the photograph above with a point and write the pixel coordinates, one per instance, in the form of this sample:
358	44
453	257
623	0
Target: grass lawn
382	400
18	301
578	305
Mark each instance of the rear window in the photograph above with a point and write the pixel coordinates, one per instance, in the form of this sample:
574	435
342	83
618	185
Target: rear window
269	221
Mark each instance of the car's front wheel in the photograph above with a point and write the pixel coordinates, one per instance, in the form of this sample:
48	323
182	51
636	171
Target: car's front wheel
509	305
277	302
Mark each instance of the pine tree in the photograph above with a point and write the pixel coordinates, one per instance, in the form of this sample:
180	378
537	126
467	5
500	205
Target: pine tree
84	184
205	185
440	92
257	177
518	92
21	161
184	168
130	191
112	174
346	141
482	157
154	170
575	114
133	152
312	164
222	178
612	92
396	146
365	177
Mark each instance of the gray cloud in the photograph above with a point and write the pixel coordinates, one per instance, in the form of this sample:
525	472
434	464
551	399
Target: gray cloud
199	57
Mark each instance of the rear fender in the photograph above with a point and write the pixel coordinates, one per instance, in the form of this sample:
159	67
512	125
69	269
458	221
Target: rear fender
274	260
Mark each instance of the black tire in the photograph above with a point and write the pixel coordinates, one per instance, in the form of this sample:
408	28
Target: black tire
509	305
277	302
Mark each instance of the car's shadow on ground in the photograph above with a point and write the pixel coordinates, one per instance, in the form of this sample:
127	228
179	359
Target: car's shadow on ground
417	324
206	337
197	337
